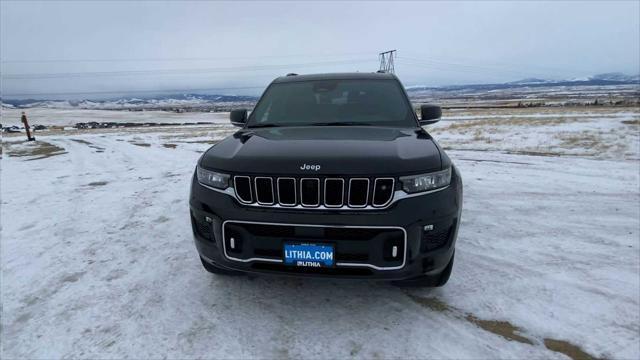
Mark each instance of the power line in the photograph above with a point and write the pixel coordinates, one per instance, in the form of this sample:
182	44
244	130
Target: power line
24	76
173	59
469	69
386	64
387	60
139	91
492	64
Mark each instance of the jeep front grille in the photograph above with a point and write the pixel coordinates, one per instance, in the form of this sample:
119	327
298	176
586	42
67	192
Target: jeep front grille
305	192
287	194
382	191
358	192
242	185
310	192
333	192
264	190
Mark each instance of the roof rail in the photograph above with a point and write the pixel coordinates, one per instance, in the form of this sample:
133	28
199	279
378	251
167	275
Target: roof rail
381	72
292	74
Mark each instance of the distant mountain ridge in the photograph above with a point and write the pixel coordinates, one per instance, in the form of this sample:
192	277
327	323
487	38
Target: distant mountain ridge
157	101
614	78
217	101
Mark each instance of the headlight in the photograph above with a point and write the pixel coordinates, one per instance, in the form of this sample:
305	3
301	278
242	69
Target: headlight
212	178
426	182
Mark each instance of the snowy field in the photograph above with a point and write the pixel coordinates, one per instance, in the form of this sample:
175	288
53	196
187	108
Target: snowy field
98	261
69	117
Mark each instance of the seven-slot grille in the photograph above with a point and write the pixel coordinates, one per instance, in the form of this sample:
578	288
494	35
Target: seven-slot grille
313	192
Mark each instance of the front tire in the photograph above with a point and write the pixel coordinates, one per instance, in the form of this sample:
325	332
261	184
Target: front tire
437	280
218	270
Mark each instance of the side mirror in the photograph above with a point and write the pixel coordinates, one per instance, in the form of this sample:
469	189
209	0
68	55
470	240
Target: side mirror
430	114
238	117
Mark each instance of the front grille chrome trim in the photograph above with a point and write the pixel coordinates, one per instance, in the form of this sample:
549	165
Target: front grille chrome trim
273	196
398	195
366	201
341	194
295	192
250	201
338	264
375	186
302	197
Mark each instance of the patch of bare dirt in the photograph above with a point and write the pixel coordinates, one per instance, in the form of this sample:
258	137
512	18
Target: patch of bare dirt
429	302
81	141
502	328
567	348
39	149
98	183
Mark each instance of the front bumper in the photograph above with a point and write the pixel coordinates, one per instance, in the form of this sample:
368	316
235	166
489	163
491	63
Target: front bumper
212	212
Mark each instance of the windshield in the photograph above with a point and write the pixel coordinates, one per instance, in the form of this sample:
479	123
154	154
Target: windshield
334	102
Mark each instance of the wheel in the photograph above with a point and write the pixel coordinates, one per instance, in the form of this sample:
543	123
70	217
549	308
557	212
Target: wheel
429	280
218	270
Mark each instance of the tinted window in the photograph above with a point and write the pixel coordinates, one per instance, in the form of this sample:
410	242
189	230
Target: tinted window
366	102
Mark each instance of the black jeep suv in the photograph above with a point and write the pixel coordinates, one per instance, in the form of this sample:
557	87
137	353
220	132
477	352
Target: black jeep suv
330	175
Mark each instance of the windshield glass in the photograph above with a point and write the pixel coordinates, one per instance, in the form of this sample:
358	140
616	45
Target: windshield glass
334	102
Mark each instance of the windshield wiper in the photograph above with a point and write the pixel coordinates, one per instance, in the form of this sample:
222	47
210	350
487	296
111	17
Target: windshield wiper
340	123
262	126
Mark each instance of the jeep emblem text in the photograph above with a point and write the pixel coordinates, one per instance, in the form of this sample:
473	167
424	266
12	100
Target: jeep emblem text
310	167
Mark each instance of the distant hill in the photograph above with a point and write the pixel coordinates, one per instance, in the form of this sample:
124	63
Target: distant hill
529	81
595	80
155	102
225	102
616	76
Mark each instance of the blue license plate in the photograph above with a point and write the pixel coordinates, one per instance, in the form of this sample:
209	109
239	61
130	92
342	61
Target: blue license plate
309	255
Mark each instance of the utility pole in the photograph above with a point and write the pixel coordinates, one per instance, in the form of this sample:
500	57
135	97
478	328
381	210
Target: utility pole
386	61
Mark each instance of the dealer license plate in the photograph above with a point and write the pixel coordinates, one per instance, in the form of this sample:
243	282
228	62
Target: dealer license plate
309	255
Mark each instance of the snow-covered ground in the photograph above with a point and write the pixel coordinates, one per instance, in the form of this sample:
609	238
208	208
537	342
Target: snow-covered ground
556	94
608	133
98	261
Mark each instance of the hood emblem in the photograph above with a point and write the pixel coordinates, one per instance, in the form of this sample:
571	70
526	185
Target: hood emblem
310	167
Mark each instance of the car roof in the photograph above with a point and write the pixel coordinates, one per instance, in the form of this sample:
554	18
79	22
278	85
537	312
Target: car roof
335	76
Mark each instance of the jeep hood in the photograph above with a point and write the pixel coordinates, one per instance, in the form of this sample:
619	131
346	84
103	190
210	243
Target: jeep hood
344	150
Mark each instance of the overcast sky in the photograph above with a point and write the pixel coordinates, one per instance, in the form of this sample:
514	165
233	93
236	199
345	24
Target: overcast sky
58	47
